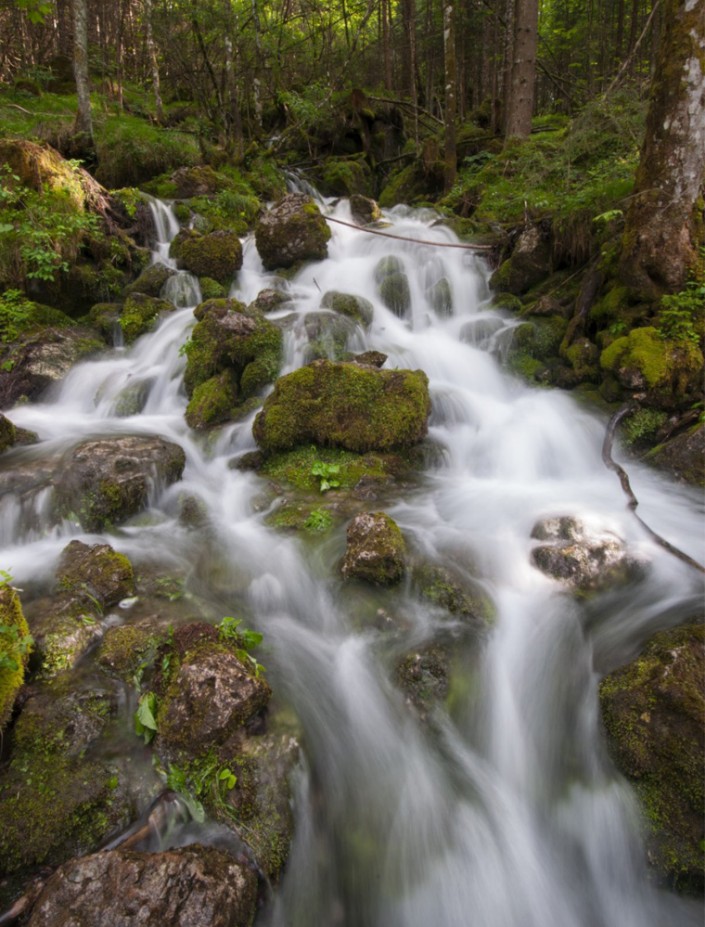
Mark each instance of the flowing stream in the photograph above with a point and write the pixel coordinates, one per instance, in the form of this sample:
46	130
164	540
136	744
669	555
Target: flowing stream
502	809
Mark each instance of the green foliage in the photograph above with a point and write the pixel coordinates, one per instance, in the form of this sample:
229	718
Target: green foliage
145	717
326	472
681	316
19	314
643	425
318	521
132	150
244	639
207	780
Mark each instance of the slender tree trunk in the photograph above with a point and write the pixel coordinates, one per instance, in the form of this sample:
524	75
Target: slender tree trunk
664	225
153	63
84	123
521	92
451	82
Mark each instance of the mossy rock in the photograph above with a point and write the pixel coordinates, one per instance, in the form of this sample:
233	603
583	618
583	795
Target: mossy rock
98	570
408	185
124	649
357	473
654	711
217	255
644	360
213	402
441	587
106	318
393	285
364	210
211	289
344	177
440	296
292	231
345	405
534	346
197	181
357	308
328	336
140	313
21	315
14	650
423	676
529	263
375	551
683	456
151	280
8	433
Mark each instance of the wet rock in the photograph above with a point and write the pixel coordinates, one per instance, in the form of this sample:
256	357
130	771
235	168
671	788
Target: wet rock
423	676
654	716
328	336
683	456
211	696
151	280
106	481
370	359
364	210
106	318
529	264
345	405
355	307
42	359
270	300
581	558
293	230
132	399
393	285
217	254
64	627
375	552
123	649
458	596
98	569
480	332
193	886
140	314
233	353
14	650
8	433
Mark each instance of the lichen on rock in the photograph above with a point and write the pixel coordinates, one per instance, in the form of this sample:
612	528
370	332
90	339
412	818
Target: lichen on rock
375	551
292	230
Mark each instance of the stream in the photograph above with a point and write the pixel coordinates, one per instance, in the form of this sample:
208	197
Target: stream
503	809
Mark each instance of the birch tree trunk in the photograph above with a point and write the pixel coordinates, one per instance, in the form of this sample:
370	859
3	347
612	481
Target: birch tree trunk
664	225
520	103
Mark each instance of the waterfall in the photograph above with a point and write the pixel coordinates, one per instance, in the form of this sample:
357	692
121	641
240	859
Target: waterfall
504	811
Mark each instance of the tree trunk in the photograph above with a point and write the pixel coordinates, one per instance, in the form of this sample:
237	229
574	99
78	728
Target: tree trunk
84	123
451	81
153	63
520	103
663	227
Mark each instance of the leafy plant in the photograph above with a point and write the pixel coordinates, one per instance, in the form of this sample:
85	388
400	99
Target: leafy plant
202	780
318	521
682	315
326	472
244	639
145	717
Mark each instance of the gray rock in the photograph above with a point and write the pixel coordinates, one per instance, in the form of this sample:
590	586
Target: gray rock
375	552
292	230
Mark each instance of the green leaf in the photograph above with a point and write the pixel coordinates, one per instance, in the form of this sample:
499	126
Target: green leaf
145	722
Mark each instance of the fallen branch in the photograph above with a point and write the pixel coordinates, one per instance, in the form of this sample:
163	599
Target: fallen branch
626	486
415	241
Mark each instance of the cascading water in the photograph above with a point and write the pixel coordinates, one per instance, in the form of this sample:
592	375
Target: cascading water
505	811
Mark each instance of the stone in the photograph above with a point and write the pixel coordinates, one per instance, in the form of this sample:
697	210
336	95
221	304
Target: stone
364	210
217	255
375	551
98	569
529	263
192	886
140	313
393	285
357	308
151	280
292	230
14	648
683	456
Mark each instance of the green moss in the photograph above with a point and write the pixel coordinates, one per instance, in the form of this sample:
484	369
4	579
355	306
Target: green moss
211	289
296	468
212	402
14	649
123	650
217	255
343	177
344	405
354	307
663	364
140	313
19	314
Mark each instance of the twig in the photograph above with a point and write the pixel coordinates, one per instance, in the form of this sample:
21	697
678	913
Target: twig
630	57
415	241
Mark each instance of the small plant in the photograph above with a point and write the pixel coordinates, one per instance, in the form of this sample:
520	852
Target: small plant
244	639
145	717
682	315
318	521
326	472
203	780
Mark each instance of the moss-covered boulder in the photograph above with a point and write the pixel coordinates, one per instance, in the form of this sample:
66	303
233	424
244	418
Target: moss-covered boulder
217	255
103	482
140	313
645	361
683	456
151	280
8	433
345	405
529	263
654	716
459	596
97	569
14	649
535	347
232	354
346	176
364	210
581	558
357	308
41	359
292	230
375	551
200	180
393	285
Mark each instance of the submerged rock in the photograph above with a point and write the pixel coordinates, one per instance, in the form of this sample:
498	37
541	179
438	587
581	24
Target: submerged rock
106	481
375	552
345	405
355	307
581	558
393	285
328	335
654	715
292	230
193	886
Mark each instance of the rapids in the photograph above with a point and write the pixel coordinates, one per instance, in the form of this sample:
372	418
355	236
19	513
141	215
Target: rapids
504	810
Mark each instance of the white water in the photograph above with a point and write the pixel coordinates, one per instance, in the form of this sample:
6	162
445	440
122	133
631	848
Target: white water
505	812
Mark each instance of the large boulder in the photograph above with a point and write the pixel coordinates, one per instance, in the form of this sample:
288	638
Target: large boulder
234	351
217	255
654	716
375	552
345	405
103	482
192	886
292	230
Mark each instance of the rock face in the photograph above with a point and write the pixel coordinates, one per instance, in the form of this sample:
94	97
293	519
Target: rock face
42	359
654	715
530	262
234	351
345	405
293	230
375	551
106	481
683	456
217	255
193	886
582	559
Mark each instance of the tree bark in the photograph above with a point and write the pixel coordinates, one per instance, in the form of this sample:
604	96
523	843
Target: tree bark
664	227
153	63
84	122
520	103
451	85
